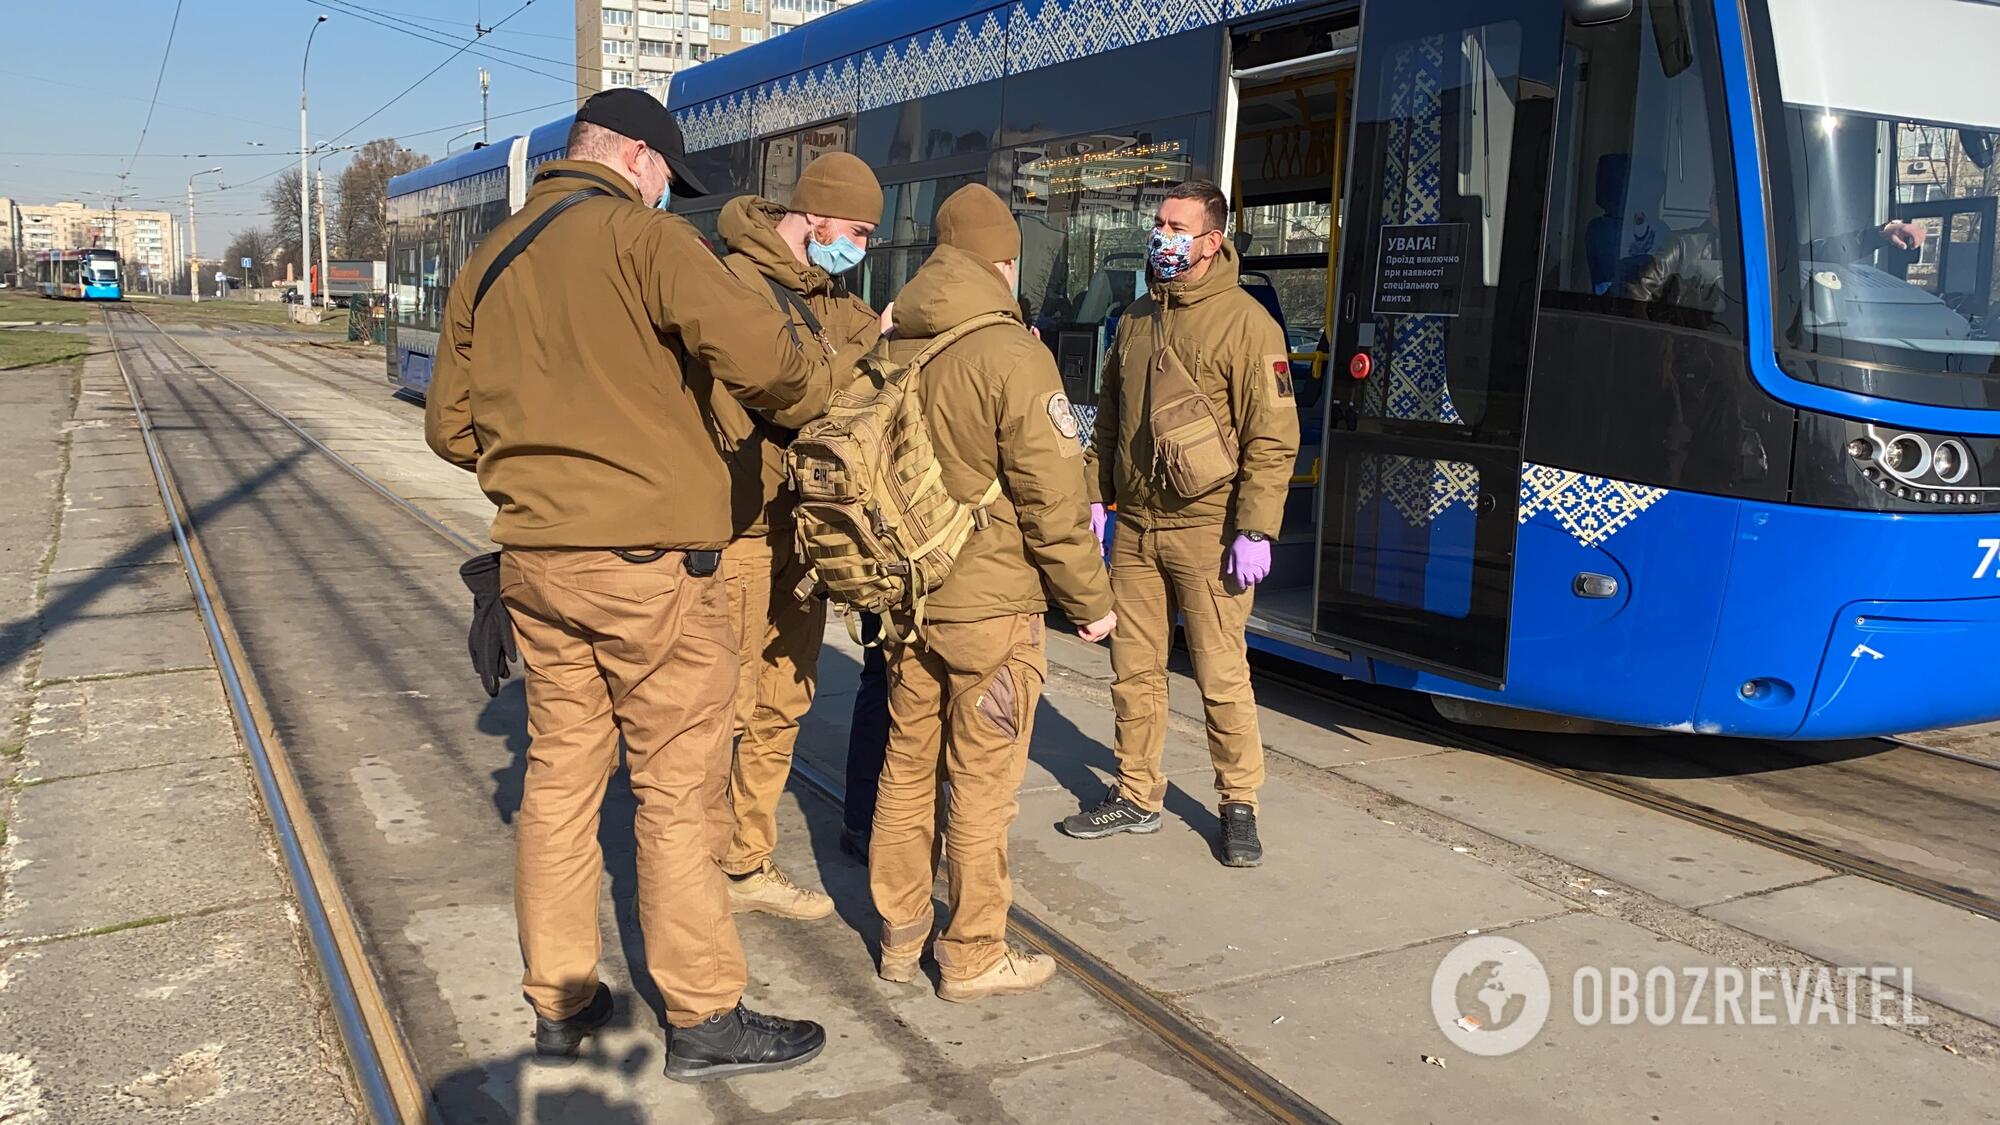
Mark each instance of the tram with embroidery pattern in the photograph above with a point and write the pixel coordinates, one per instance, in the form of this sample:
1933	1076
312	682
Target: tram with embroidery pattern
1645	350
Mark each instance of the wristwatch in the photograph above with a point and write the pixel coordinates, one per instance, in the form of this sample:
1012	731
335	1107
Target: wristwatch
1254	536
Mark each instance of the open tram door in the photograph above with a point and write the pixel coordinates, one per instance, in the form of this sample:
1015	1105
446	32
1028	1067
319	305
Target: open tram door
1454	110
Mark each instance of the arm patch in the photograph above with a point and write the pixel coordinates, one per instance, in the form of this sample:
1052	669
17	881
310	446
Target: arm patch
1280	369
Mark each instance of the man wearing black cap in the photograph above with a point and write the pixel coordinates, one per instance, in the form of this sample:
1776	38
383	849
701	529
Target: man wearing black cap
581	402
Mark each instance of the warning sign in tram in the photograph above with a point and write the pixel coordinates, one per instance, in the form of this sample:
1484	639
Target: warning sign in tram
1418	269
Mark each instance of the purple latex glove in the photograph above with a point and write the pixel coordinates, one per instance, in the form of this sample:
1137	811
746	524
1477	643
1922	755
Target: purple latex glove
1098	519
1249	561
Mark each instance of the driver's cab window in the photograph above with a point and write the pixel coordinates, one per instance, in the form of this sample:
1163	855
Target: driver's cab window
1639	202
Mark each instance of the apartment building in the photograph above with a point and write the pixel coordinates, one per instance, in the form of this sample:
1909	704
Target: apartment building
645	42
148	240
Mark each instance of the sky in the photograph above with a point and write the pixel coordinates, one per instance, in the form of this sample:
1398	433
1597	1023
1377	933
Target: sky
79	81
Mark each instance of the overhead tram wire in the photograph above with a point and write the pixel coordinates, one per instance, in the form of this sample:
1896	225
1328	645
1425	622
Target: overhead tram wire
450	24
475	46
407	90
467	45
165	54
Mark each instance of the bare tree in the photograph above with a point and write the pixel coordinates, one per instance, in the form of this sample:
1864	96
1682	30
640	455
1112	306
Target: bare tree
283	199
256	244
361	224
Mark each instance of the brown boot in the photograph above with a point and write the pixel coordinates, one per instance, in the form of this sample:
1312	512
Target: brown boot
1013	973
899	966
771	891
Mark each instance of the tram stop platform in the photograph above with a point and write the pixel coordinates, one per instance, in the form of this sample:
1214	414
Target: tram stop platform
152	967
151	962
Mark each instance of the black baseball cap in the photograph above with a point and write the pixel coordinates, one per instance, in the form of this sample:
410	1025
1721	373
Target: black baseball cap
633	113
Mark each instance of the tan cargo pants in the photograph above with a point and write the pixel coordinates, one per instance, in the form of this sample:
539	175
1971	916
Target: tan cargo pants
774	687
961	699
646	651
1154	574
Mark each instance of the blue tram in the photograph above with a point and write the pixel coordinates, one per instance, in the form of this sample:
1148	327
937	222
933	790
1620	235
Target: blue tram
79	275
1647	350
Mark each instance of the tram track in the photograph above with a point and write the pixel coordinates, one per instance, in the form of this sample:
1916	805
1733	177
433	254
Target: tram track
380	1061
1180	1033
1164	1020
1556	755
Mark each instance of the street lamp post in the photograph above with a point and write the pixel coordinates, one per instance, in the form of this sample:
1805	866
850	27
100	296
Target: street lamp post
325	260
194	248
305	185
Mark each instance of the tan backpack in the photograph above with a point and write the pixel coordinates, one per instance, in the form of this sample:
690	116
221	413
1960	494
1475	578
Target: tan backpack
874	520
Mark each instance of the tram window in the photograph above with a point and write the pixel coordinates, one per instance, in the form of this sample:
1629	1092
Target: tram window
785	157
725	169
930	128
406	281
1086	207
1635	222
1165	78
1907	277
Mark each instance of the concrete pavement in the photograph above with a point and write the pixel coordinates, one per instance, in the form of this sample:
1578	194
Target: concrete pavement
1385	853
151	963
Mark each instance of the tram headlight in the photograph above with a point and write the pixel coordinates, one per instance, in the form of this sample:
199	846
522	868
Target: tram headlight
1907	456
1950	461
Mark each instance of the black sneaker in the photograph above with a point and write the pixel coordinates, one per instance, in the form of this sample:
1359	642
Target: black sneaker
1114	815
741	1041
560	1039
855	845
1240	846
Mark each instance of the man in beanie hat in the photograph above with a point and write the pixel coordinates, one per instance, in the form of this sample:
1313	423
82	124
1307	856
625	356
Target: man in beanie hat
792	257
964	692
611	522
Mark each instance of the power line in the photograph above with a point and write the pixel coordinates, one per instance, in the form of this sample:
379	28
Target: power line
430	36
427	76
165	54
102	93
422	18
379	110
165	155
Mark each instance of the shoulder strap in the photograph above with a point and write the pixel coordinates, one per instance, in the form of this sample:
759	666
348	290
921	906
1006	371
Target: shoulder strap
797	304
506	257
953	335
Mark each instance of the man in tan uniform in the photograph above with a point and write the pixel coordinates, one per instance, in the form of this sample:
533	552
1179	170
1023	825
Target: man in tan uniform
1201	556
962	696
790	256
577	404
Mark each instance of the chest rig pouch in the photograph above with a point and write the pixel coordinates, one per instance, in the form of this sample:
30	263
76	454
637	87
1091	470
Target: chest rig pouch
1194	450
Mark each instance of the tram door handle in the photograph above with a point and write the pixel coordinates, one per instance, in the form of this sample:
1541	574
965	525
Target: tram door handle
1347	304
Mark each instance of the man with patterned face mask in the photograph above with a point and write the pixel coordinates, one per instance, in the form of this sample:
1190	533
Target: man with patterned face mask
793	257
1195	438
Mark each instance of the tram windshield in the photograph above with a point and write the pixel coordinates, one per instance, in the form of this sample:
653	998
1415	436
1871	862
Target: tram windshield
1886	193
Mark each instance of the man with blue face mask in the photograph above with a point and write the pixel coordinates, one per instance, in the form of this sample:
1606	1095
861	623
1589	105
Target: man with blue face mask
794	256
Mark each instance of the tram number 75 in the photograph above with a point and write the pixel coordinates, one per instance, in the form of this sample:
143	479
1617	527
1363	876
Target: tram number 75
1992	555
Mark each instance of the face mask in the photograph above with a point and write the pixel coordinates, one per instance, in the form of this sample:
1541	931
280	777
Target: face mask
1170	255
837	256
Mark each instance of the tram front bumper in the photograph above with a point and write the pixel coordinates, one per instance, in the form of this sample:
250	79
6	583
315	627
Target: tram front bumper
1905	665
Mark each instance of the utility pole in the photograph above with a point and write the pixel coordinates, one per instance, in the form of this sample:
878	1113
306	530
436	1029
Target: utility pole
305	185
485	84
326	288
194	247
